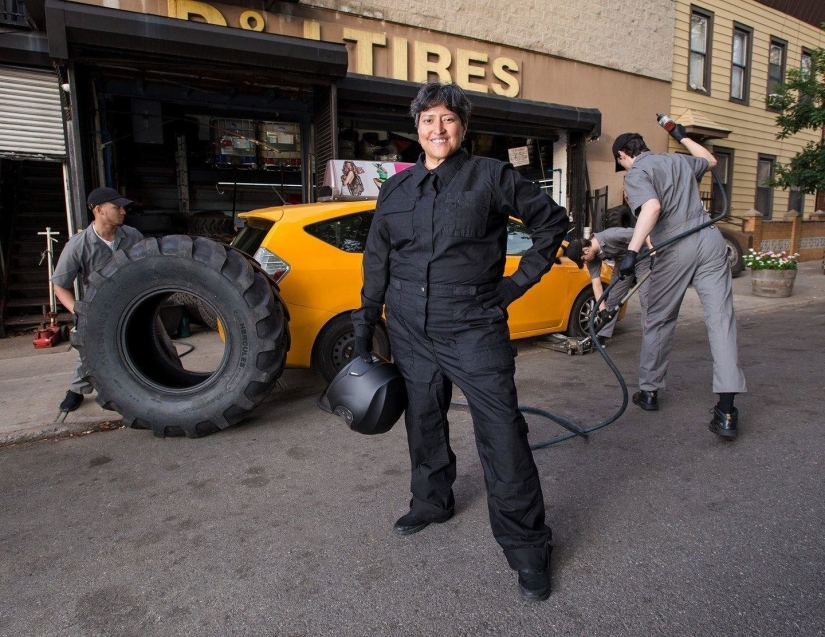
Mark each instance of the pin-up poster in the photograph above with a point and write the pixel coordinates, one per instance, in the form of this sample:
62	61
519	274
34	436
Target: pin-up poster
360	177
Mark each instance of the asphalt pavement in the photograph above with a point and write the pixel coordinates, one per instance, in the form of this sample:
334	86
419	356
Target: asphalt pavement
282	525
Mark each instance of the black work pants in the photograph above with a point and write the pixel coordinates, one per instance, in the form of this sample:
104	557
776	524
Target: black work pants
440	336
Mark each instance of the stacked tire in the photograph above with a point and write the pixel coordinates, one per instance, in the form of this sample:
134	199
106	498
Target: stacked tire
123	358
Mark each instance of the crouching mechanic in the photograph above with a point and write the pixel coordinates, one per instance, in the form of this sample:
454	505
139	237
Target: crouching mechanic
609	244
86	252
435	259
665	188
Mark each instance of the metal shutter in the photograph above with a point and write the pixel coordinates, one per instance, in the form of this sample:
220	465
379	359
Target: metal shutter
31	117
326	134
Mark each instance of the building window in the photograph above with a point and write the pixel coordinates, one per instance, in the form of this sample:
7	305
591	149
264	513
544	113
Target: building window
796	200
764	192
805	65
805	62
701	26
776	68
740	64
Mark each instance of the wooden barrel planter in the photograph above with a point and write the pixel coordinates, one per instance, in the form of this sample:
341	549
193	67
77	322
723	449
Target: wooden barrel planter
772	283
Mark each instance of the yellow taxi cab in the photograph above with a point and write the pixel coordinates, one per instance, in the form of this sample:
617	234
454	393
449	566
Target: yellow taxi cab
314	252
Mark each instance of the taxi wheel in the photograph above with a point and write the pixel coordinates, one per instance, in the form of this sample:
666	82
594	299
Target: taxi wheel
336	343
579	322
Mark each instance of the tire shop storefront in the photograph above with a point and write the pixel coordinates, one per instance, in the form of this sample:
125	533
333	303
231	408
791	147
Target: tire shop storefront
546	142
33	176
194	122
158	92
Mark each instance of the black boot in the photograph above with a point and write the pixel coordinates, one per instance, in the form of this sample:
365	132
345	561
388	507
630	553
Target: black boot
725	425
71	401
534	585
411	523
647	400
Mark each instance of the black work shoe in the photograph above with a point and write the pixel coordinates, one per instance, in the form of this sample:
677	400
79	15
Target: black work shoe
725	425
534	585
647	400
411	523
71	401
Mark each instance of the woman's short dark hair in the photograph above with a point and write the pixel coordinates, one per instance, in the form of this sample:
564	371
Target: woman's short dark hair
434	94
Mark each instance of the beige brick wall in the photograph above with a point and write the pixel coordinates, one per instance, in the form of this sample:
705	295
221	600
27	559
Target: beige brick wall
635	36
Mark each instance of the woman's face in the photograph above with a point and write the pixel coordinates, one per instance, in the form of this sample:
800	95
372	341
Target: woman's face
440	133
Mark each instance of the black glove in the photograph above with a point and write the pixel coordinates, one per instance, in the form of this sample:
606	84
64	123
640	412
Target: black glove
363	348
628	266
605	316
678	132
652	261
505	293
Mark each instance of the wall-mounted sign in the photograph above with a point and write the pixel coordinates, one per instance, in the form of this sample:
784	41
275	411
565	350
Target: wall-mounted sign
411	60
519	156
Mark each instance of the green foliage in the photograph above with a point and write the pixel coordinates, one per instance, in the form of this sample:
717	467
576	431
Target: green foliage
801	102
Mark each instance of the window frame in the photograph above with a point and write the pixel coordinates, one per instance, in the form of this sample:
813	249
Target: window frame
728	177
708	15
796	193
766	215
746	84
784	44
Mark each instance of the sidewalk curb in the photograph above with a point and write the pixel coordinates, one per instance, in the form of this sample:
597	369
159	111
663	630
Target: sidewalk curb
53	431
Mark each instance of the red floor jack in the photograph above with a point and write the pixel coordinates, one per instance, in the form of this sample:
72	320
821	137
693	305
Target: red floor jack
50	334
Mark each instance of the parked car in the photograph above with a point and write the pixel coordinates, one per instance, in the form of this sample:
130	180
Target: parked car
314	253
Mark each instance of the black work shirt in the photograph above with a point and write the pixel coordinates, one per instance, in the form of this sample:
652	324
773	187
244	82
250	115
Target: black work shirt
449	227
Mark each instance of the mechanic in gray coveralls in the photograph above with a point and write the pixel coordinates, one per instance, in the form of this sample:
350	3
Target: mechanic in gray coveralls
610	244
664	189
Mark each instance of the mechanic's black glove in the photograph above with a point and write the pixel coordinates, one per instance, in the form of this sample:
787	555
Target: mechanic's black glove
628	266
506	292
363	348
678	132
604	316
652	261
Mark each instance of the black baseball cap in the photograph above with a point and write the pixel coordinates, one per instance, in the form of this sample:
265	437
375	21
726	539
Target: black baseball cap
621	140
574	252
106	195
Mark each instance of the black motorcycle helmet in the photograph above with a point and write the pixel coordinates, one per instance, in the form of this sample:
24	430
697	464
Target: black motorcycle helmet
369	397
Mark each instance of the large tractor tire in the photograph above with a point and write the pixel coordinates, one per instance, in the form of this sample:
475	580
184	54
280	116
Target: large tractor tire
196	309
125	362
619	217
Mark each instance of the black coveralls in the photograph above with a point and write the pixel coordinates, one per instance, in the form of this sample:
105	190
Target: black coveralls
437	241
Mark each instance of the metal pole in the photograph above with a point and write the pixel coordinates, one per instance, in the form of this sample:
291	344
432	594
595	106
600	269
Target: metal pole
49	254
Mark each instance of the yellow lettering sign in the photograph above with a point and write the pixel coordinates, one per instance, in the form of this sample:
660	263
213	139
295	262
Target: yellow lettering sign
312	30
428	58
364	41
252	21
501	66
185	9
464	70
423	66
399	59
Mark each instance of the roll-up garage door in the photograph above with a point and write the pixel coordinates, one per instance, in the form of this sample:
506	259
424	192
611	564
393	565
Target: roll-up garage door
31	119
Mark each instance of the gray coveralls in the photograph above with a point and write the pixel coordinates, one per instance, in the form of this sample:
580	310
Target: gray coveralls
437	242
700	259
83	254
613	244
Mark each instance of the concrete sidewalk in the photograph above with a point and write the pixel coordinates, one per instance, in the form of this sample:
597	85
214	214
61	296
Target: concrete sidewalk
33	382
